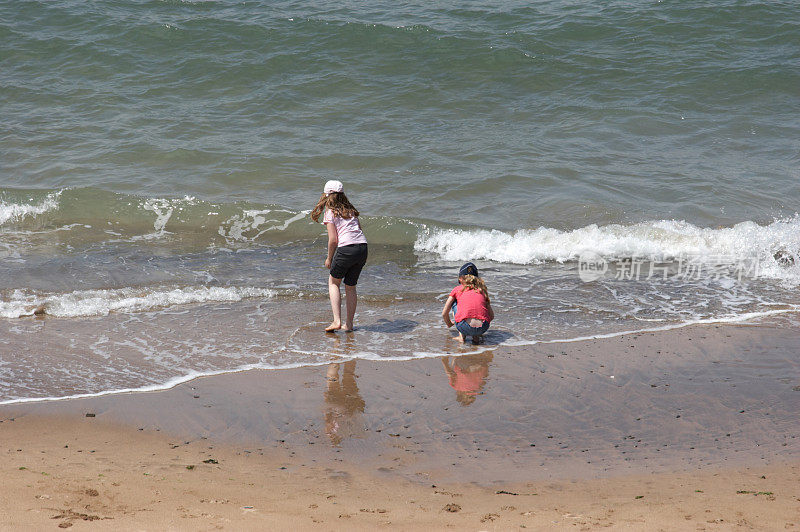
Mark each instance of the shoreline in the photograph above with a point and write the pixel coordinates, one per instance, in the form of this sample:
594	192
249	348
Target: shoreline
593	417
743	319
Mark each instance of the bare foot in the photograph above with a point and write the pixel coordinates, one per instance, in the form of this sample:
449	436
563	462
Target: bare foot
333	327
461	338
348	328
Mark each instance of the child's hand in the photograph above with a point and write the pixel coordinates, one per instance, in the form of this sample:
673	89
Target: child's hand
446	311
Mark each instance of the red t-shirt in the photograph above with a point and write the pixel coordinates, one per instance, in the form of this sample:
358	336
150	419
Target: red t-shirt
471	304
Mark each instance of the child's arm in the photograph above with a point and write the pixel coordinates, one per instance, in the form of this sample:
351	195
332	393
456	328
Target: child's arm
491	311
446	311
333	241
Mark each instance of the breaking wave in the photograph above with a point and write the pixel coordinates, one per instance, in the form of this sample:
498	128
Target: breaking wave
775	246
16	211
84	303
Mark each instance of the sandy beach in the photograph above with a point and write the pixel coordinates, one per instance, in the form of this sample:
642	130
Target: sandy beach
621	175
691	429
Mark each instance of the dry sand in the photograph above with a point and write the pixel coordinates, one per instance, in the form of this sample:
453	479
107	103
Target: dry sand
697	429
86	474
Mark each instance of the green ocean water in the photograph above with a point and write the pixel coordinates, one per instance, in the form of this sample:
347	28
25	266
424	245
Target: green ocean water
160	157
505	115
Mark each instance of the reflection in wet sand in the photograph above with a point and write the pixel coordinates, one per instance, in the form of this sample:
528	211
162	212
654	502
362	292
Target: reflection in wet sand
467	375
343	404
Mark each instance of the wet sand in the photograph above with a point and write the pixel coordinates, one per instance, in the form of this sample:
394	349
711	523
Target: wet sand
672	429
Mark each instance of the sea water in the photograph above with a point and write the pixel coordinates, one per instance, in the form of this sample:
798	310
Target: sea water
613	167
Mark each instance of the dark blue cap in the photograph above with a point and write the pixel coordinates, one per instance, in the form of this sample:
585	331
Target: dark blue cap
468	269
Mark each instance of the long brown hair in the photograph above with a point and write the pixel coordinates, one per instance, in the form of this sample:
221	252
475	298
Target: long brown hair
335	202
473	282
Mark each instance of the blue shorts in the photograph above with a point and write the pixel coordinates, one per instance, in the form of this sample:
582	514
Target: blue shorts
464	327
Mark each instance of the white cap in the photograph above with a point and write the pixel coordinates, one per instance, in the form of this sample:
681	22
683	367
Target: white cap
333	186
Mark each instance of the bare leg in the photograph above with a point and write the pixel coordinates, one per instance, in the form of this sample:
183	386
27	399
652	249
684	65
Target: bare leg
461	338
351	296
336	304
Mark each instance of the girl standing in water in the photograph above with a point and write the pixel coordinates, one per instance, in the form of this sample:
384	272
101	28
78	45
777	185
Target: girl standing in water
347	251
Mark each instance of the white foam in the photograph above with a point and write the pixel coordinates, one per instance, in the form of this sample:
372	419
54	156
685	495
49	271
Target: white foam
167	385
17	211
163	209
247	226
102	302
733	318
366	355
171	383
660	240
